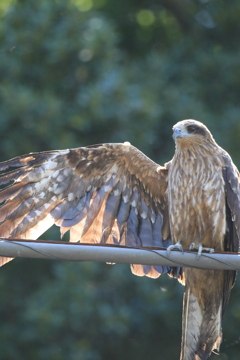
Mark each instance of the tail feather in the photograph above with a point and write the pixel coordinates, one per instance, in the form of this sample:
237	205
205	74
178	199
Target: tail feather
202	318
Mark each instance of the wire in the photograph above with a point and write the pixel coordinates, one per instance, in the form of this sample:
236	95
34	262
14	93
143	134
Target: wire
53	250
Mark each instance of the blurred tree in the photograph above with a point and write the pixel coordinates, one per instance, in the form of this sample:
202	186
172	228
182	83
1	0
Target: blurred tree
79	72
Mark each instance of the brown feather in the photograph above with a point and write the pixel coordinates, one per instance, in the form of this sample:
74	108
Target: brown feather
197	194
110	193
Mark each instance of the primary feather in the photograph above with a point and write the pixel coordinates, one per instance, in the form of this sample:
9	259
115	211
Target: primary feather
108	193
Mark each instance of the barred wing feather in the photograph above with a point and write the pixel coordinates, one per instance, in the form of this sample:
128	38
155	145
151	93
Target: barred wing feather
108	193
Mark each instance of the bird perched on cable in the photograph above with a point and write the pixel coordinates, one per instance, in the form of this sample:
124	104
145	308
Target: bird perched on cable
113	193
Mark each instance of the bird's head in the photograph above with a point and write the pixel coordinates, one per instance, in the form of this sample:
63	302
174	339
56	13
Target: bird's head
188	133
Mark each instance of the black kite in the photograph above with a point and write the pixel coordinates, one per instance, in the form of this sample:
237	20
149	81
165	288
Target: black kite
113	193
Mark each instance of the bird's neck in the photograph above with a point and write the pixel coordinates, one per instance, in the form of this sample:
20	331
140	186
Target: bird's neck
197	159
190	150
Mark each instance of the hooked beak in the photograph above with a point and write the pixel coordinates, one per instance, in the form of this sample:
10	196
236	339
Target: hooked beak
177	133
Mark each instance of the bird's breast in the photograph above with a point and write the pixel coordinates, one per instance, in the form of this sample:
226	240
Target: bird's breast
196	198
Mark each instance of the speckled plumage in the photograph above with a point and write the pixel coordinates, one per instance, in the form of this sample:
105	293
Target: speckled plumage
113	193
200	195
197	211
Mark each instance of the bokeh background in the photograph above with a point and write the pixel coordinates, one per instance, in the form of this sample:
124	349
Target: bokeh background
79	72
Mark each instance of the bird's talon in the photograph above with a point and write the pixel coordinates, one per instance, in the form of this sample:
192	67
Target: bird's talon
176	246
200	248
192	246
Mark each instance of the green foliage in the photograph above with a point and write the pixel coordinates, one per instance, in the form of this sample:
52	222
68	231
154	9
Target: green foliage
80	72
71	315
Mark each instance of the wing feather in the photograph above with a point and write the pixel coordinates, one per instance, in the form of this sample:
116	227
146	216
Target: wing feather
107	193
231	177
232	238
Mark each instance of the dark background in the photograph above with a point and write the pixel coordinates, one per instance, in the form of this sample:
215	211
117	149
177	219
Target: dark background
74	73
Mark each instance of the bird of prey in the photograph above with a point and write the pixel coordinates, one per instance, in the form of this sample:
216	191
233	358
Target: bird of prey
114	194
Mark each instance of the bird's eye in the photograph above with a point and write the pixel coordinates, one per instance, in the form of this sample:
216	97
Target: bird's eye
191	128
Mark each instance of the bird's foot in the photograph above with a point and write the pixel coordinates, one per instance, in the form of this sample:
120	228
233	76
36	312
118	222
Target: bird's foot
200	248
177	246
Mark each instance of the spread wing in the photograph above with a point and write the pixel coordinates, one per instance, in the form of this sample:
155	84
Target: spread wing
232	239
108	193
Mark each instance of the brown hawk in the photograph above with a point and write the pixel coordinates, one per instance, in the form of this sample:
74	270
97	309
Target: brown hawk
114	194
